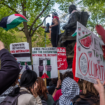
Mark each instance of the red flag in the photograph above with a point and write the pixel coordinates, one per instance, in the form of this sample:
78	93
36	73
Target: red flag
45	76
74	65
100	30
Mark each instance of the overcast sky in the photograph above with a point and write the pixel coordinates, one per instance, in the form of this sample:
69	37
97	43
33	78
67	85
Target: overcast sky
49	19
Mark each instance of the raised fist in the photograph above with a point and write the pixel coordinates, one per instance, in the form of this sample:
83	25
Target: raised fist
1	45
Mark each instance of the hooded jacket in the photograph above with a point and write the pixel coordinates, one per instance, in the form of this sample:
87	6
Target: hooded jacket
69	90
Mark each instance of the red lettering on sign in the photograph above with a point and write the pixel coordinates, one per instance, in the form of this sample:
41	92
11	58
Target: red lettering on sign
102	71
89	68
12	51
36	54
20	51
99	67
95	69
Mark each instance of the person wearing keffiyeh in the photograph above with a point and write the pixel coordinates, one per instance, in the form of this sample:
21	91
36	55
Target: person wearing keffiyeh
69	90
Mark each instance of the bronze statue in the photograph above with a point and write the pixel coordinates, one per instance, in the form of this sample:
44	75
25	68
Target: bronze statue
66	39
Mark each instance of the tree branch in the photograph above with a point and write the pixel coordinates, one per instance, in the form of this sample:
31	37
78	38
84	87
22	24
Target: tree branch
40	24
9	7
39	16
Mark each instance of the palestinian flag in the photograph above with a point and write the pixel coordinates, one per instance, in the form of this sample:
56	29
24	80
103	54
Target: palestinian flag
74	34
12	21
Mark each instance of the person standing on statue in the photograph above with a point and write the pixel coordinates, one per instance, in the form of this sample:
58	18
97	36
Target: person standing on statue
54	29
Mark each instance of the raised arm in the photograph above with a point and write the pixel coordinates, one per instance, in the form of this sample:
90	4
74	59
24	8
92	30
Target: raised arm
100	88
9	71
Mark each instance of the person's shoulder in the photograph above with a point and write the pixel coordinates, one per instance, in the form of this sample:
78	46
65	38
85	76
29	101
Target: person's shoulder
35	100
56	18
50	99
50	96
25	98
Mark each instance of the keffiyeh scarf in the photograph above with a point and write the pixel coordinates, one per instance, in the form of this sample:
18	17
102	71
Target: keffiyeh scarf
69	90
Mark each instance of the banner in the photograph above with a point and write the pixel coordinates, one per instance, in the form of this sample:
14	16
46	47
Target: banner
21	53
45	61
90	64
61	59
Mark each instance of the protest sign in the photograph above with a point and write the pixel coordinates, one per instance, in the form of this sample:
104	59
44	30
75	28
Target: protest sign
90	64
62	59
21	53
45	61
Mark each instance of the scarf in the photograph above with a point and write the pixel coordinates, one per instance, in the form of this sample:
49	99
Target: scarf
69	90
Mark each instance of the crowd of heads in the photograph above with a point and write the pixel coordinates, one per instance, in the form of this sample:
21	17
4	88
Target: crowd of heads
69	87
29	78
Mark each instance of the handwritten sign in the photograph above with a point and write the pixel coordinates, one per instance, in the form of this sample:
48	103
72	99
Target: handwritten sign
90	64
62	59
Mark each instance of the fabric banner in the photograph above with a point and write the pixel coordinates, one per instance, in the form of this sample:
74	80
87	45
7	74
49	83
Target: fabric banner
90	64
45	62
21	53
62	59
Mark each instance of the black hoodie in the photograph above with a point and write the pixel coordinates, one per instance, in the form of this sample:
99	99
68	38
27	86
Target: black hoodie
9	70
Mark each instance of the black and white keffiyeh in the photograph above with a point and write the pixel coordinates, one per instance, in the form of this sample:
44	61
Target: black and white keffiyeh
69	90
5	94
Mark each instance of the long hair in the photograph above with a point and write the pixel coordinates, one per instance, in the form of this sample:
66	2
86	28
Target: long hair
42	91
28	78
88	87
68	74
80	83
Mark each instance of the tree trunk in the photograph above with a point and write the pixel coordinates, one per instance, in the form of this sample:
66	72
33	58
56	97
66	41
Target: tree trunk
30	47
26	29
28	38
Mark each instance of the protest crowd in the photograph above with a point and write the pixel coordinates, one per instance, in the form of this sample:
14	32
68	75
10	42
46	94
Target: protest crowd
31	89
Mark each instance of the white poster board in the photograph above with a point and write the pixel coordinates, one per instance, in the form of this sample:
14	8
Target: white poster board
89	55
45	61
22	54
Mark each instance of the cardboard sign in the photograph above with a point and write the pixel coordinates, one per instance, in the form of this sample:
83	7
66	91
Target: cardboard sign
90	64
45	62
21	53
62	59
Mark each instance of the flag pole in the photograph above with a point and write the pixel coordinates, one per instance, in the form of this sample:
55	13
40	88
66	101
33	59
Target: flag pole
58	74
45	82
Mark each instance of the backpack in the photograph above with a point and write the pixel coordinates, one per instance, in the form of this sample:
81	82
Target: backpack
10	100
78	100
43	101
84	18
